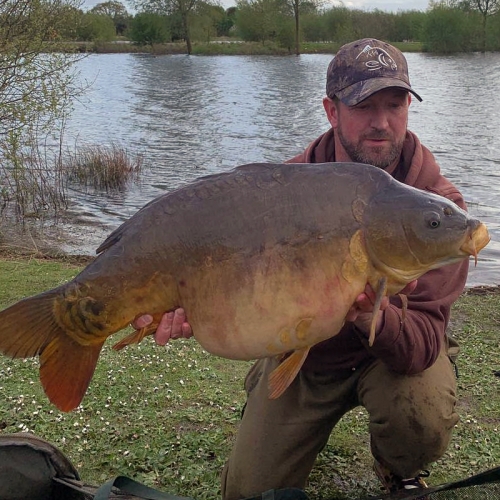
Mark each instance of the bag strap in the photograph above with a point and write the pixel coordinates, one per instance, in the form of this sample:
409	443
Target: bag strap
127	485
488	476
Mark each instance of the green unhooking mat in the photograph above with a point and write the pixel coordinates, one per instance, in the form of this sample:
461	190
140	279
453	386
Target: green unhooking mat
33	469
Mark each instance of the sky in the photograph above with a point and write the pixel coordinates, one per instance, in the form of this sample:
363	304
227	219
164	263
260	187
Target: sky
387	5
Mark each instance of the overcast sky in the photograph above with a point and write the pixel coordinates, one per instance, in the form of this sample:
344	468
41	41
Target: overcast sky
387	5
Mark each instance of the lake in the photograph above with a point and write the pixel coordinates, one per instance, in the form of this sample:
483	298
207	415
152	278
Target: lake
194	115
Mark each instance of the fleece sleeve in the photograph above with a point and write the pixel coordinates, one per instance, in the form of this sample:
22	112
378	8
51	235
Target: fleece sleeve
411	345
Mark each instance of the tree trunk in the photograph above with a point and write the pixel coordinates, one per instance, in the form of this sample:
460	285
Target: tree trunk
187	35
297	27
483	41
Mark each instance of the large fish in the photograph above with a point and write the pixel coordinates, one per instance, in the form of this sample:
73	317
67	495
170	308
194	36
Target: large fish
266	259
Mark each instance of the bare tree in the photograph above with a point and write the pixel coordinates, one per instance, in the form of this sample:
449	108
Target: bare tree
36	84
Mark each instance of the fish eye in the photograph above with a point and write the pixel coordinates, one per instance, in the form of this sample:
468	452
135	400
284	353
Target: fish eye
433	220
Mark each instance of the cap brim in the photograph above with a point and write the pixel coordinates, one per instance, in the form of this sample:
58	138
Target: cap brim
360	91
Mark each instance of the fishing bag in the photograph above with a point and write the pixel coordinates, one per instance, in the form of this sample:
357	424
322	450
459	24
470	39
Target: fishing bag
33	469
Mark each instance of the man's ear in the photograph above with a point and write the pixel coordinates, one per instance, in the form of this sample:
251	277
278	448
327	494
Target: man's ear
331	111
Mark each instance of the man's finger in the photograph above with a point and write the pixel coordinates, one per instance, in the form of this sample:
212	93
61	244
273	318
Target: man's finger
164	330
187	331
178	320
142	321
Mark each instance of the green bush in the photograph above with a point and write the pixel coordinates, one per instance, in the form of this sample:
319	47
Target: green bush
95	27
148	29
447	30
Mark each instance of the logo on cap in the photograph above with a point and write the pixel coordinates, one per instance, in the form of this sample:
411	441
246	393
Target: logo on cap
379	58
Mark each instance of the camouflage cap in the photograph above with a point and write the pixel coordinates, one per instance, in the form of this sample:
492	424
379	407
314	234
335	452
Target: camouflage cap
361	68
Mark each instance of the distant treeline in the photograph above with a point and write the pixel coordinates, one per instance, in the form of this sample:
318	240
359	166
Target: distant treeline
447	26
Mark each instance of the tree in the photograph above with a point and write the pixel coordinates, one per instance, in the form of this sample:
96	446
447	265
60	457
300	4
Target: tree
205	21
297	7
257	20
95	27
225	25
448	29
37	86
486	8
184	8
116	11
407	26
338	24
148	29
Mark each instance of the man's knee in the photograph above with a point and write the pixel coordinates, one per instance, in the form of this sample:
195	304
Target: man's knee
424	429
411	417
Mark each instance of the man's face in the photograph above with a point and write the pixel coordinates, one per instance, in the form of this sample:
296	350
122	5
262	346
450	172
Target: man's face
373	131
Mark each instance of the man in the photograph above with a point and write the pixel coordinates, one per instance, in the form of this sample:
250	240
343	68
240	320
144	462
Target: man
405	380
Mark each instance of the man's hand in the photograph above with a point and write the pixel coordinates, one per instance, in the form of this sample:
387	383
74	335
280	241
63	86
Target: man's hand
173	325
361	311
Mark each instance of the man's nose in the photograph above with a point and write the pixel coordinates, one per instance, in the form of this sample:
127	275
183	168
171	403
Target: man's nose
379	119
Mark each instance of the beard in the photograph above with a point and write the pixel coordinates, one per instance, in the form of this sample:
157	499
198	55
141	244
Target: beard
381	157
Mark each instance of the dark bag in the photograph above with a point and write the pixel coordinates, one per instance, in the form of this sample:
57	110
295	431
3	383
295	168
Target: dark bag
31	468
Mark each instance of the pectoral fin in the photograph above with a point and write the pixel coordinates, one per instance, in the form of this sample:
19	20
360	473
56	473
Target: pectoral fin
282	376
136	336
380	293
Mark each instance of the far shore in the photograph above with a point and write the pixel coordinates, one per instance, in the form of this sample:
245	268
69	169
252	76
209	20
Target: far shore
226	46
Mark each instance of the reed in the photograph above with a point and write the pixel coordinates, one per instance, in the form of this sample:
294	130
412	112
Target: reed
103	167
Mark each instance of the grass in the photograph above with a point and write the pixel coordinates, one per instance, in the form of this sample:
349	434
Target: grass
167	416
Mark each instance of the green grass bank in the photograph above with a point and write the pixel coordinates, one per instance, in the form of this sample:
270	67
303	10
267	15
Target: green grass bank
167	416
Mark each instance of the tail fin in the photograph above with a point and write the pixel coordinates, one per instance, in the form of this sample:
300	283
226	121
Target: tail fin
29	328
66	369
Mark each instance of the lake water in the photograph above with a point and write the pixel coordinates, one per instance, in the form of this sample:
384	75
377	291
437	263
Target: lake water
190	116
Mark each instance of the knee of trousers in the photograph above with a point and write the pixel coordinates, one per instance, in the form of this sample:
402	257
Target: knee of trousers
412	438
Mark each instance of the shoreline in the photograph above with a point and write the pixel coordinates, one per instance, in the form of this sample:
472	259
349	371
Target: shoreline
214	48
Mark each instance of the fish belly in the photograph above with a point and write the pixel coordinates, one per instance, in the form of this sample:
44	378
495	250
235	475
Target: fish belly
276	302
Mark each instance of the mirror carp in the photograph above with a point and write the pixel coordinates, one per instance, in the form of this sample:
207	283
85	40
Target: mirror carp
266	260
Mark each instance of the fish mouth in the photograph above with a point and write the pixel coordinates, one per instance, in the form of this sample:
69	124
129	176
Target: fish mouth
477	239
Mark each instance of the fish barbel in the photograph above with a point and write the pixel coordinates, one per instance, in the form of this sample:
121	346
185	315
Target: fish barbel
266	259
